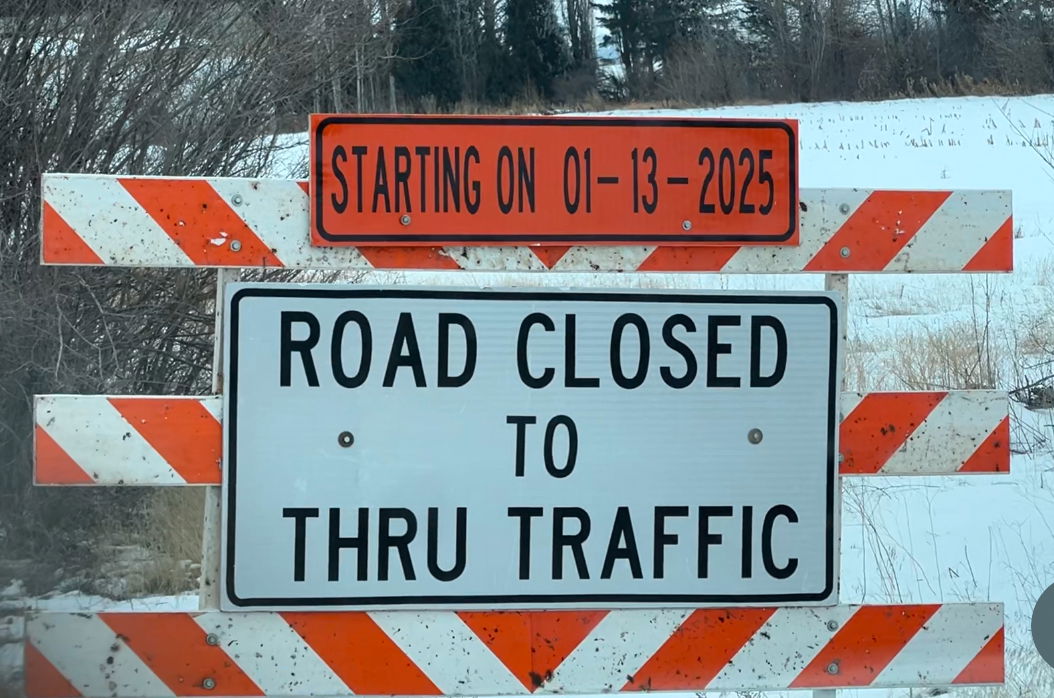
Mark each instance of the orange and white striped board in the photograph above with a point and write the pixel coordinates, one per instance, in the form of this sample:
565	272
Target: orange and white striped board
110	440
511	653
226	222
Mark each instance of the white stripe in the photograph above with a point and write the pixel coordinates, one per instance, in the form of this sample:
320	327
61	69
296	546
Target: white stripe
616	649
849	402
111	222
277	211
781	648
950	434
448	652
819	221
213	404
593	258
101	441
495	258
944	646
272	654
955	232
92	656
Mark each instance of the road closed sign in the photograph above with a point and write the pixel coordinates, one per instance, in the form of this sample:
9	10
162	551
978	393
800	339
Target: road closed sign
428	448
442	180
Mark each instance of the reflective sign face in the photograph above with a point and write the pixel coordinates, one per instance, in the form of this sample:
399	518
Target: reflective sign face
387	180
429	448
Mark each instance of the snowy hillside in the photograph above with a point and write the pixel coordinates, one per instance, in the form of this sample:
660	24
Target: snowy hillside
926	539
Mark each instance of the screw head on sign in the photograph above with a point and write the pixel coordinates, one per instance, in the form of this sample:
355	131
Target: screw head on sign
687	225
844	208
208	683
832	625
346	439
841	459
404	219
755	436
236	245
844	252
212	639
236	199
833	668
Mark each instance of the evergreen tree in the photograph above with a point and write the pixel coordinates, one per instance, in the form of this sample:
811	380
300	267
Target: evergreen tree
624	21
538	49
646	33
427	64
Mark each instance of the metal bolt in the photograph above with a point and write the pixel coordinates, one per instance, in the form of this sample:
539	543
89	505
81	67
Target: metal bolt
833	668
844	252
405	219
844	208
841	459
212	639
754	436
687	225
236	199
832	625
346	439
208	683
236	245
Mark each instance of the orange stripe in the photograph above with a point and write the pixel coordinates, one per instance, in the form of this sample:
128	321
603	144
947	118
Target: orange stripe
688	258
196	217
993	455
877	231
52	465
174	648
549	255
361	654
698	650
879	425
408	258
997	254
864	646
532	645
43	680
556	634
60	243
989	666
508	635
186	435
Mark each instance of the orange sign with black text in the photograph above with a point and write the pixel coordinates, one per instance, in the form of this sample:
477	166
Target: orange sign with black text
452	180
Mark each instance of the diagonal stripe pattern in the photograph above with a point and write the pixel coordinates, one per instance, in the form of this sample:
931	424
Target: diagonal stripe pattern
99	440
439	653
228	222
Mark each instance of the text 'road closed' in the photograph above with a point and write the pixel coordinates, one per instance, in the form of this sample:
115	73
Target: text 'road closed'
429	448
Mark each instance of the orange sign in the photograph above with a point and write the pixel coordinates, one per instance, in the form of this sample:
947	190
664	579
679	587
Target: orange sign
446	180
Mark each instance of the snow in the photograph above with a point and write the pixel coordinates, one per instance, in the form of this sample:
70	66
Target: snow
918	539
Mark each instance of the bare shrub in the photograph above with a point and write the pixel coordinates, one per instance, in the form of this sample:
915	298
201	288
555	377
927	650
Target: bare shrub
706	72
113	86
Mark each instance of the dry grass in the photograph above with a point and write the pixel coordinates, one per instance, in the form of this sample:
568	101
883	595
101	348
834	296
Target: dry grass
175	522
958	356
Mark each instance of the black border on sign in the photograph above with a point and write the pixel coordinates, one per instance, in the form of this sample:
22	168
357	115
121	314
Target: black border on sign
644	238
230	428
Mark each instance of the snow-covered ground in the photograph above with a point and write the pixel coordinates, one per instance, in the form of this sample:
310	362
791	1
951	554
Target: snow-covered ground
921	539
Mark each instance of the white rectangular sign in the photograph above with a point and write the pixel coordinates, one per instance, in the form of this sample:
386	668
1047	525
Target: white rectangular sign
427	448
